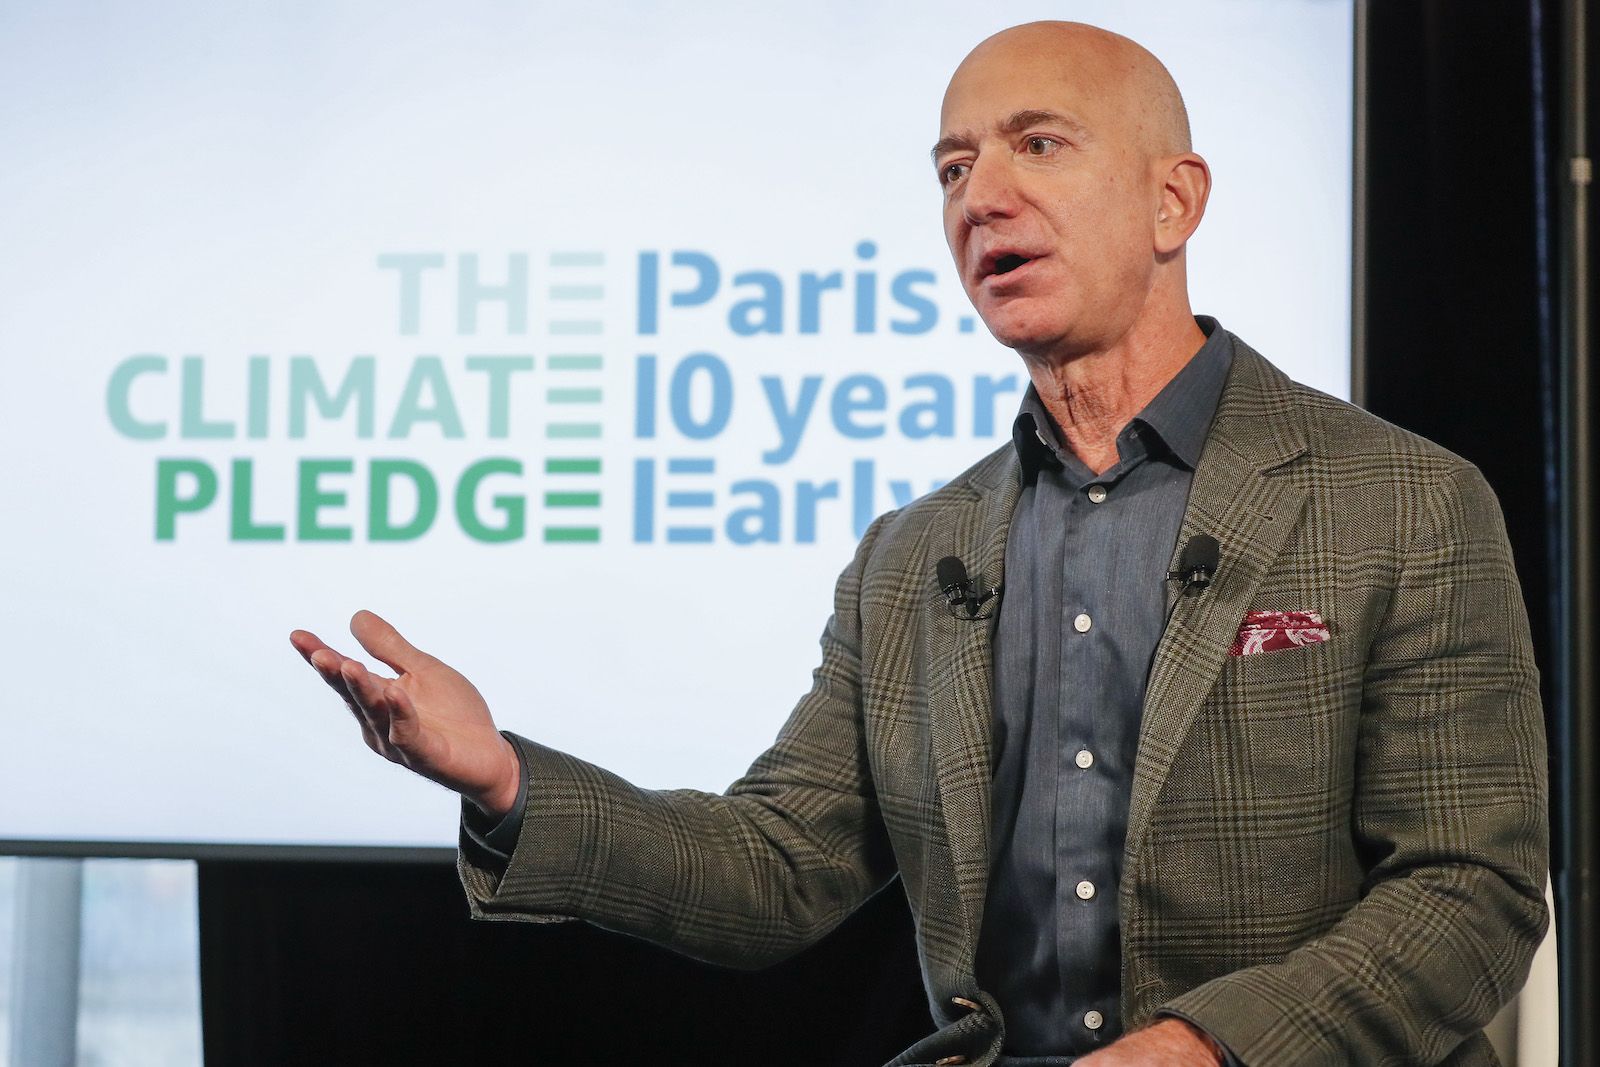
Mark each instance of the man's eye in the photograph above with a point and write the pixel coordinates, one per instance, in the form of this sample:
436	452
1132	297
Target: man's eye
952	172
1038	146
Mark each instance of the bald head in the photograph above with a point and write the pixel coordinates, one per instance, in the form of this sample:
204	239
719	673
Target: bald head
1070	191
1128	87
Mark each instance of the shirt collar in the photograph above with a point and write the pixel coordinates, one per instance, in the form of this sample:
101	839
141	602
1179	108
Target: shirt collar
1179	416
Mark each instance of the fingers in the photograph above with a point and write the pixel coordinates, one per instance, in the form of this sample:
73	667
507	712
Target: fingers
403	724
370	703
323	659
386	644
360	691
326	661
307	644
389	722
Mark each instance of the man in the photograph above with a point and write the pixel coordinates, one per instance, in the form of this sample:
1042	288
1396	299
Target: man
1291	811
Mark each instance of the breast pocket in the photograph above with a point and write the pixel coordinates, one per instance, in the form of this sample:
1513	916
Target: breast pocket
1289	718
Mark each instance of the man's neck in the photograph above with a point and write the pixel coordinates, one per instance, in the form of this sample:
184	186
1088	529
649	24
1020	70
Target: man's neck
1091	397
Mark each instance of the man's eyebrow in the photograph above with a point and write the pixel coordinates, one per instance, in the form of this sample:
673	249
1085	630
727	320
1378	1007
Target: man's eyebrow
1015	123
950	142
1021	120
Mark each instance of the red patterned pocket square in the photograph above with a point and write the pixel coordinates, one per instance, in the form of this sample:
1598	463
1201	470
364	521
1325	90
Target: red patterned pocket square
1269	631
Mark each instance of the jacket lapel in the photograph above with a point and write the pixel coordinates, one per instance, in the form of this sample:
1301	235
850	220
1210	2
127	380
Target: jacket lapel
960	683
1240	497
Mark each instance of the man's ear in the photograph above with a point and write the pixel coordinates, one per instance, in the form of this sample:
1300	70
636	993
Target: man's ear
1186	183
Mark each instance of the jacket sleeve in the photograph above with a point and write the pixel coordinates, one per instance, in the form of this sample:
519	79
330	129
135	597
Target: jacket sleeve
1448	817
743	879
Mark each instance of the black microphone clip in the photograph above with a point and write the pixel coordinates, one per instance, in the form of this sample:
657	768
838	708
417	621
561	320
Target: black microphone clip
958	592
1196	564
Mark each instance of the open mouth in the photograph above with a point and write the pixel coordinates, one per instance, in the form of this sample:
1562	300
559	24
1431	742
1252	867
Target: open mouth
1008	263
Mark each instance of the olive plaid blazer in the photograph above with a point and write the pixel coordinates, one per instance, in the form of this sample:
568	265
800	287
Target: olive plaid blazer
1336	853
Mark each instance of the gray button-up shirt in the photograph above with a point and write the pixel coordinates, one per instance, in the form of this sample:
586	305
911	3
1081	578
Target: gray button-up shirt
1085	605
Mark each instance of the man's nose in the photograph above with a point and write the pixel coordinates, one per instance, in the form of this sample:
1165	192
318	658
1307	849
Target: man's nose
990	190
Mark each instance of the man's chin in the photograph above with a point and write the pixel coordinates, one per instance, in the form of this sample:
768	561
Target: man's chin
1014	312
1018	332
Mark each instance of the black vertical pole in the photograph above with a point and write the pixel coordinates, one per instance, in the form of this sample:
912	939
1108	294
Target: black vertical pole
1359	217
1576	738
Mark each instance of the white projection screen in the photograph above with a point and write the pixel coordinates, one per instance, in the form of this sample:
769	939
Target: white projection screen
579	340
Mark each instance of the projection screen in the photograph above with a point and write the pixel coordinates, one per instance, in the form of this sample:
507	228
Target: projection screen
579	340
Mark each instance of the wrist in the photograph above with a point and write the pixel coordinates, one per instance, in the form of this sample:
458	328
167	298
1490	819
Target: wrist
500	798
1212	1046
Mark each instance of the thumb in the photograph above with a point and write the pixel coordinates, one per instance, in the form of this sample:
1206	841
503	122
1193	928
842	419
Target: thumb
384	642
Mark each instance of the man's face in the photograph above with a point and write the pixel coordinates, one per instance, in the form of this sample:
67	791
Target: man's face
1050	200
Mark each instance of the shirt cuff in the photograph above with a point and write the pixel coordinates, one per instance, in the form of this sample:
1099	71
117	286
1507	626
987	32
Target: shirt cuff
497	838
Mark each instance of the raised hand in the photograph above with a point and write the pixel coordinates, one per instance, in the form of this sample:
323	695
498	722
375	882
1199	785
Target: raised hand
430	718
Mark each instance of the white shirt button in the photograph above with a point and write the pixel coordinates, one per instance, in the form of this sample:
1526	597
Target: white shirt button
1081	624
1084	758
1085	890
1097	494
1093	1019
